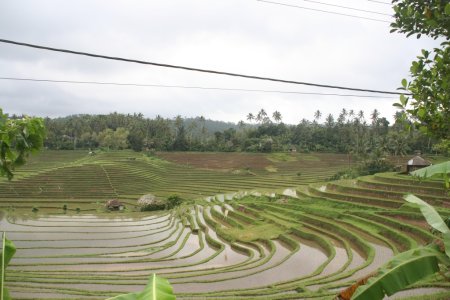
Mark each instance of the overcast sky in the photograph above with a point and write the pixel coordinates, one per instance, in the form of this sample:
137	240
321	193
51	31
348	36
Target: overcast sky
245	36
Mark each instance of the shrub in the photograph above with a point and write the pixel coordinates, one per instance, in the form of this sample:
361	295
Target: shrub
345	174
369	167
150	202
374	166
173	201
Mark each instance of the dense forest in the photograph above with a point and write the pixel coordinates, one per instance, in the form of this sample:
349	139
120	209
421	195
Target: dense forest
350	132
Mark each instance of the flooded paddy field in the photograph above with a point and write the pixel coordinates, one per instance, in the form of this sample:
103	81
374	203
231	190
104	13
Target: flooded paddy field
237	235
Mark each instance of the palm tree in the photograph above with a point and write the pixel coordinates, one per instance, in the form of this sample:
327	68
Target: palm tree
330	121
250	117
374	116
361	115
317	115
351	113
276	116
261	115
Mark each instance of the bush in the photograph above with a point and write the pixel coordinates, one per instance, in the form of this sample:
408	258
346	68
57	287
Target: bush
150	202
375	166
443	147
173	201
345	174
369	167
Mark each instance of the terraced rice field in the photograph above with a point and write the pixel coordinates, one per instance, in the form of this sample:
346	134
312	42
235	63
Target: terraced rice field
297	238
79	180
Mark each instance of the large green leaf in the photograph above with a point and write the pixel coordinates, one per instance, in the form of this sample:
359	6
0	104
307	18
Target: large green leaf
400	272
430	214
158	288
442	170
8	250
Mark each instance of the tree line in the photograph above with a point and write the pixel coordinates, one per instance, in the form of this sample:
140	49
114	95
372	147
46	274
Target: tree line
349	132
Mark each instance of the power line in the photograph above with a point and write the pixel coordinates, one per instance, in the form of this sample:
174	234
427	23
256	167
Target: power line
191	87
350	8
197	69
381	2
323	11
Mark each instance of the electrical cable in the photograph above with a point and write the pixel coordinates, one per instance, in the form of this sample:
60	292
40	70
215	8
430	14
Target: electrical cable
347	7
191	87
381	2
196	69
323	11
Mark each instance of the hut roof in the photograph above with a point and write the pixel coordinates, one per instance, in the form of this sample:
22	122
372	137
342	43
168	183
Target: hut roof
113	203
418	161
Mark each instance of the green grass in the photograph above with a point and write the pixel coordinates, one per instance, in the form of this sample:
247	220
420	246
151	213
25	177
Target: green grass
280	157
255	232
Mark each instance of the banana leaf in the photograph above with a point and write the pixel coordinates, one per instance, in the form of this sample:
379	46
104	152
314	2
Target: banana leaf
158	288
430	214
400	272
433	219
8	250
439	170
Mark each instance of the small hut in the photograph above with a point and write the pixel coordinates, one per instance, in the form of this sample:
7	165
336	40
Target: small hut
416	163
114	204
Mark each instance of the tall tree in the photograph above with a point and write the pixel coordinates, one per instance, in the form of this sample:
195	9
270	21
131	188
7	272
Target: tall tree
361	116
261	115
250	117
276	116
374	116
317	115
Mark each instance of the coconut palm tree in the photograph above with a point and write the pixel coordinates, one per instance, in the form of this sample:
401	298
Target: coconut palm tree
250	117
361	116
261	116
276	116
374	116
317	115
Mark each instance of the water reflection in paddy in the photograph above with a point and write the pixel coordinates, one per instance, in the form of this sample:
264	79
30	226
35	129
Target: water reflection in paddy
126	246
301	263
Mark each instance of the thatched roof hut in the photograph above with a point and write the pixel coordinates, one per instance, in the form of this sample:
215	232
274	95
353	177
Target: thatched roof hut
416	163
114	204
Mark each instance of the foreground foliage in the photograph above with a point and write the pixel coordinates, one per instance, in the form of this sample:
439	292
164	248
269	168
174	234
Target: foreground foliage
402	271
441	170
18	137
157	288
429	106
8	250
